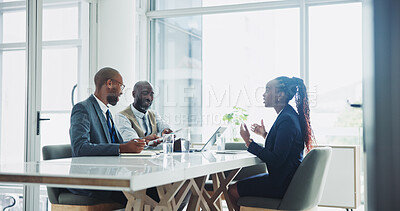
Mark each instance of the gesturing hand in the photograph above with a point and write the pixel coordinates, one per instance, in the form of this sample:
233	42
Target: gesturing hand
244	132
259	129
132	146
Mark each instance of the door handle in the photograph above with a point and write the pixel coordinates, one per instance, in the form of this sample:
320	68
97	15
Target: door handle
354	105
38	119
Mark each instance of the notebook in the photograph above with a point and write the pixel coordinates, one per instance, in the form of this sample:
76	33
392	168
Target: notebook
144	153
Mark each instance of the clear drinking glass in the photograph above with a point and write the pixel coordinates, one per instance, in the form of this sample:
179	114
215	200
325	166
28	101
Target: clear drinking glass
185	145
168	143
221	143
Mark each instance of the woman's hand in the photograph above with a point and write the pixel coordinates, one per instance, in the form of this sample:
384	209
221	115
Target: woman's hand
244	132
259	129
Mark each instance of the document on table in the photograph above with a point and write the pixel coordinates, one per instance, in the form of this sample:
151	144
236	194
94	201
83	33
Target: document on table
144	153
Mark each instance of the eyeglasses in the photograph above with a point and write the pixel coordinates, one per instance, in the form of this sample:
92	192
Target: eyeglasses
121	84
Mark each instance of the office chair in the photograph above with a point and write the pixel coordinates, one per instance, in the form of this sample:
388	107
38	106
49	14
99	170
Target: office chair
305	189
61	198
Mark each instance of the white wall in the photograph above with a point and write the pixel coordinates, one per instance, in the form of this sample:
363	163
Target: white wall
116	42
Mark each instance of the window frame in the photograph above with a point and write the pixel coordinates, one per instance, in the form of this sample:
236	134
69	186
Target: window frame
146	36
33	46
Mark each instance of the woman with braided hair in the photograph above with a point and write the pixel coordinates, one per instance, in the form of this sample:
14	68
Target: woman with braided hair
284	144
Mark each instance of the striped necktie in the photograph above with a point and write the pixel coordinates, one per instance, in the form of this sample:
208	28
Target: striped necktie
110	125
146	131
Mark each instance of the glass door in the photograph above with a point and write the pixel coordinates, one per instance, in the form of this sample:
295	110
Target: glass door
44	69
13	86
65	69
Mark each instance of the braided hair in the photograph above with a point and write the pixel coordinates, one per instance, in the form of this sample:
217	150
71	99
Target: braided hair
296	87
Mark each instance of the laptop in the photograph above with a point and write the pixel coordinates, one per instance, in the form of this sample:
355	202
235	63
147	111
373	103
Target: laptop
210	141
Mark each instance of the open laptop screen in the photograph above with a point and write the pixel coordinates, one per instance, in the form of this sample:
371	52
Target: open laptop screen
213	139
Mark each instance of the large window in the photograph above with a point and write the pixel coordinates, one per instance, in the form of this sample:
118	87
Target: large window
336	73
209	56
61	56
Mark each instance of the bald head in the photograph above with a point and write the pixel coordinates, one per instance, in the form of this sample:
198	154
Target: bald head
103	75
143	95
140	84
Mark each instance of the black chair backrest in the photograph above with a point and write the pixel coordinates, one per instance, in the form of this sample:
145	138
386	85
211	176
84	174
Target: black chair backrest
51	152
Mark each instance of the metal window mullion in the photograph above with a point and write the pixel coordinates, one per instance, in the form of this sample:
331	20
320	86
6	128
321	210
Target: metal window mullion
60	3
80	49
222	9
329	2
12	46
143	40
152	51
45	44
1	79
93	31
34	60
304	43
11	6
58	43
84	50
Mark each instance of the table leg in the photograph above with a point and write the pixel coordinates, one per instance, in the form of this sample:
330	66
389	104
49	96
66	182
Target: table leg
216	184
171	197
222	184
167	195
138	201
197	199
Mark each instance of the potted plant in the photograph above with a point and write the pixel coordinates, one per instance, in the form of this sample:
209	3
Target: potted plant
234	119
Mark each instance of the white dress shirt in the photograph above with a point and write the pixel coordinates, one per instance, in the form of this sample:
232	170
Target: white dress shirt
103	107
125	128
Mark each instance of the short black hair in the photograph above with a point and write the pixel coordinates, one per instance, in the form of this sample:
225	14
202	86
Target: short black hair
103	75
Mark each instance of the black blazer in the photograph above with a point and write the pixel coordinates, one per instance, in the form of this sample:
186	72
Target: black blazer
284	147
89	132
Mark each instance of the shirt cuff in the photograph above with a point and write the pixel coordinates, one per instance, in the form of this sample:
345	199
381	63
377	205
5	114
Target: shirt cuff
251	140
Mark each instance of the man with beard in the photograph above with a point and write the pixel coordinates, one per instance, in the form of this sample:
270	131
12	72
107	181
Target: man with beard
93	132
137	121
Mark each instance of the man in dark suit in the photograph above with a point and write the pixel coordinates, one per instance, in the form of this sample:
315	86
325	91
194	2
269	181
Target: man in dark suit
92	130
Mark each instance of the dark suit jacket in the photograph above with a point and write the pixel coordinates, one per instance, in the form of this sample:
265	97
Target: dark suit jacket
89	132
284	147
90	137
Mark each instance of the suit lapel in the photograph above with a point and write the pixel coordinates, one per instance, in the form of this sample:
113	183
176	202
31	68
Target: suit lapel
101	117
272	131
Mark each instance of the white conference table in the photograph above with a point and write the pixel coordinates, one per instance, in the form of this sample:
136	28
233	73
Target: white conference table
173	175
